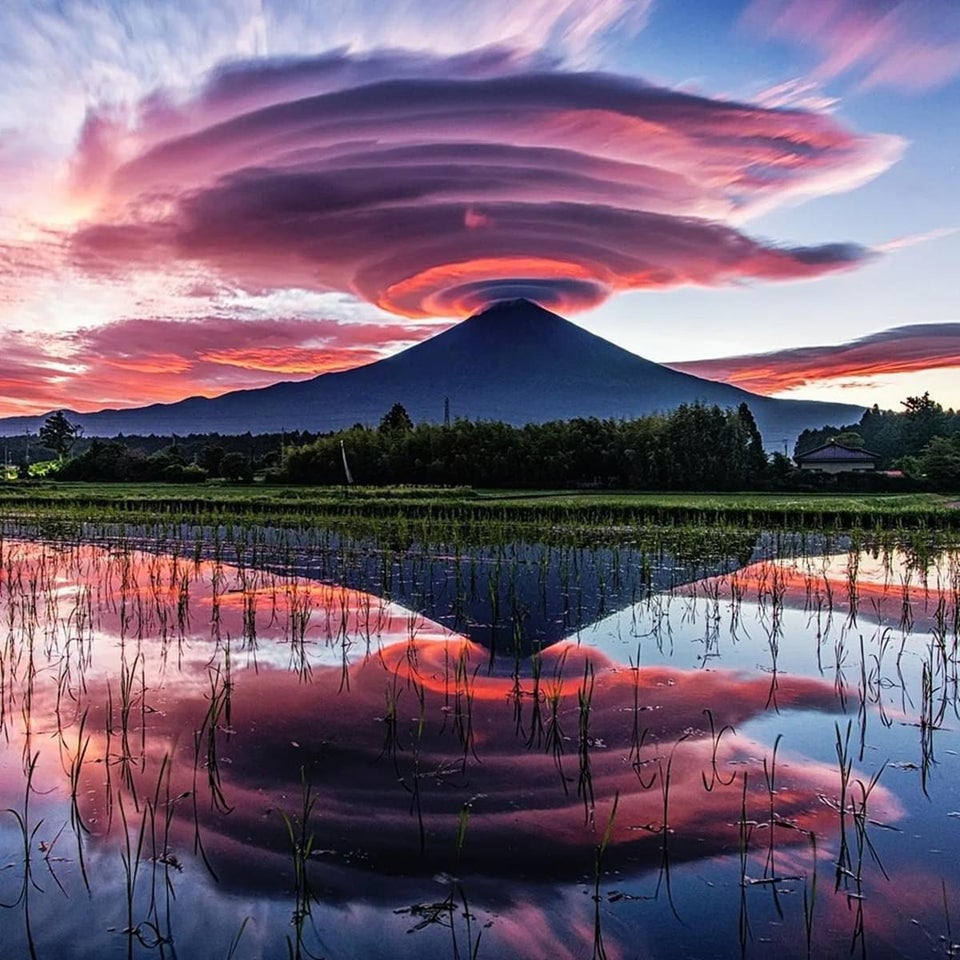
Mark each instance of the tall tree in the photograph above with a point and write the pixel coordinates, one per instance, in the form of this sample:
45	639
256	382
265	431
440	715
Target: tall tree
59	434
397	419
756	457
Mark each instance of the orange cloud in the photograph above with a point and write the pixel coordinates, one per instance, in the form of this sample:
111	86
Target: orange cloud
898	350
294	360
139	361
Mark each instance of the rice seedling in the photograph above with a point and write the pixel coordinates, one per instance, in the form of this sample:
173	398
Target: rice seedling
664	778
301	837
391	721
463	700
27	833
810	896
238	936
744	833
554	737
715	737
599	950
131	852
77	759
584	743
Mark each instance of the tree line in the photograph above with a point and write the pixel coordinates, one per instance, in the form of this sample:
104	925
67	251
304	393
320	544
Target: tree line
152	457
694	447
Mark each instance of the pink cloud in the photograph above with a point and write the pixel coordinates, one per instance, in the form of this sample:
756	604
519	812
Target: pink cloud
925	346
138	361
433	186
911	44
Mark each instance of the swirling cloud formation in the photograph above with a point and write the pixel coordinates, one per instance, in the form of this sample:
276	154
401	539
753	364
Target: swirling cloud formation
433	186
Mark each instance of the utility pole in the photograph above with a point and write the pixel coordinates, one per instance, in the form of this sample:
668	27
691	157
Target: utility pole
446	411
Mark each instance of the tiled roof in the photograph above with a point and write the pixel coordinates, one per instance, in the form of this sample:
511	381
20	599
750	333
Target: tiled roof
837	452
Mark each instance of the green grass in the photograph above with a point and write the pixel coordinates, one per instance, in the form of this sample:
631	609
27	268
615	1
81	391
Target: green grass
521	510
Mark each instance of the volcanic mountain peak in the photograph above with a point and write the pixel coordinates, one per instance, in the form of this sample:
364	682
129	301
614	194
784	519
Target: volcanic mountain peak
515	361
523	345
519	308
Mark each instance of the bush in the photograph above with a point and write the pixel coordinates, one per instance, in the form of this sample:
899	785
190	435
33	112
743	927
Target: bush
236	468
180	473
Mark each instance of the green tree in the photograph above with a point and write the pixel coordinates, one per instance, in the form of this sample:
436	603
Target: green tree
59	434
756	457
782	471
925	420
397	420
939	462
236	467
920	406
211	458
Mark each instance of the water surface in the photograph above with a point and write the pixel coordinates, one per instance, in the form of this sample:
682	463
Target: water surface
574	755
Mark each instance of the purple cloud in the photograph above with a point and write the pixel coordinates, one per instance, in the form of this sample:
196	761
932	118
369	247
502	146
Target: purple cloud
432	186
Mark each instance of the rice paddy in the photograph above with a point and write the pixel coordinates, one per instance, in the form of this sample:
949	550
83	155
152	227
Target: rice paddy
240	738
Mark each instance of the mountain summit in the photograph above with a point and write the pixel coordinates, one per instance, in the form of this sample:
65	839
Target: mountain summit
514	361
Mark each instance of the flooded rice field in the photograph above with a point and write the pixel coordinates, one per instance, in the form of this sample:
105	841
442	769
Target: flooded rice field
276	745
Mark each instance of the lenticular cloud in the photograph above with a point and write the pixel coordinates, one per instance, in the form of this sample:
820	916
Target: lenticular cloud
432	187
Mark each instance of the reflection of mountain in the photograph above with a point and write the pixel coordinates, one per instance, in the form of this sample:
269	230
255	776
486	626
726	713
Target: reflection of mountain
392	719
519	597
515	362
215	697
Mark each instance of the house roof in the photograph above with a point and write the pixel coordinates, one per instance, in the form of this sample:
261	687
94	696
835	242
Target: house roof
837	453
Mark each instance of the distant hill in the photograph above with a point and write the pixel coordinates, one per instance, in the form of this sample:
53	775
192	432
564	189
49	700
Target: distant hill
515	362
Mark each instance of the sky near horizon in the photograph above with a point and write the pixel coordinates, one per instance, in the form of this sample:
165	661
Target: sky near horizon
196	198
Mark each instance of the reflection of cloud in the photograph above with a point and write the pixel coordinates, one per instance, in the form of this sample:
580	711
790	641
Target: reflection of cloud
894	588
364	746
518	801
334	723
898	350
432	186
912	44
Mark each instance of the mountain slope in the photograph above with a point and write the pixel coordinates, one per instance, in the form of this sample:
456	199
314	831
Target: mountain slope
514	362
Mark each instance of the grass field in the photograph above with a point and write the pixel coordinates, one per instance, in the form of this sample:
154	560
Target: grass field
537	508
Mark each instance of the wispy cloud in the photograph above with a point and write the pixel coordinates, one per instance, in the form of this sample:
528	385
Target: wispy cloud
909	44
926	346
60	57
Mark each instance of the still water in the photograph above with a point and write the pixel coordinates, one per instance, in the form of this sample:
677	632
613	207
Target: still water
533	754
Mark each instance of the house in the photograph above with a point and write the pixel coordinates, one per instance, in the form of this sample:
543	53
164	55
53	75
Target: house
837	458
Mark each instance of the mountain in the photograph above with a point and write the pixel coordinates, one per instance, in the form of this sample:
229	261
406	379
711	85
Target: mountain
515	362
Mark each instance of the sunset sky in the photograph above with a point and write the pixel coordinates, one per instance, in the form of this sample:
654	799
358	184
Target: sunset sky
199	197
